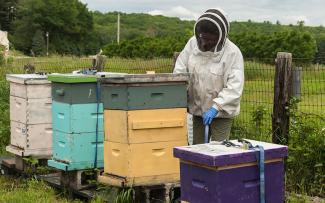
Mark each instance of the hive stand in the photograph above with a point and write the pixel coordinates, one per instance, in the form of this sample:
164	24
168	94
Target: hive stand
78	180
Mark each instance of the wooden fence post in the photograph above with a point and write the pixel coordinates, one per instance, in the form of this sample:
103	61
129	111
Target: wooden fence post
282	94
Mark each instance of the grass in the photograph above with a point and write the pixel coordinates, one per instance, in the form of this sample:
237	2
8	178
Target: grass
15	190
297	198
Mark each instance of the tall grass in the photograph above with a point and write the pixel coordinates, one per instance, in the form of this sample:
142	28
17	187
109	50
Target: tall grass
31	191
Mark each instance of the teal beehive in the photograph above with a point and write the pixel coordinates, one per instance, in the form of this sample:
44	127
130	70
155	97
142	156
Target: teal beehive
77	151
77	118
144	91
77	115
75	93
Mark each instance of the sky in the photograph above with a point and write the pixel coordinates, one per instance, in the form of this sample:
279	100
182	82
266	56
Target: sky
285	11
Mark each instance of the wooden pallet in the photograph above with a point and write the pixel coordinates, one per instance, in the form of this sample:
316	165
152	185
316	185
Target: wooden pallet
157	193
17	165
78	180
149	191
54	180
71	182
7	166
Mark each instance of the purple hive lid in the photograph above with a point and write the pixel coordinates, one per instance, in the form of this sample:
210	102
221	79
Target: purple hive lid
216	154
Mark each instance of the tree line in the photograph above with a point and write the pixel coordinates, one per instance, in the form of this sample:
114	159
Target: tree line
70	27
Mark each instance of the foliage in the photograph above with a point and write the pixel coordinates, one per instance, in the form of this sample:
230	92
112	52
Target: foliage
125	196
255	129
298	198
320	55
4	112
257	45
257	117
305	164
7	13
38	43
2	57
138	26
146	47
252	44
69	24
305	167
75	30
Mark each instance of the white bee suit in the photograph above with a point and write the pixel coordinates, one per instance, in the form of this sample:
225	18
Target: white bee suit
217	78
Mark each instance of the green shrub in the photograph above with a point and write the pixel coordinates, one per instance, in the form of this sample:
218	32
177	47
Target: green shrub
305	168
305	164
4	112
2	57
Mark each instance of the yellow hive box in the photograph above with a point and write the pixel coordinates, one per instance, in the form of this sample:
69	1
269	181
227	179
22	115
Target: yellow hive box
144	126
142	164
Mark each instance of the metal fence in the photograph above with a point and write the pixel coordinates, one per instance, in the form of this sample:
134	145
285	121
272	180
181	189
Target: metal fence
69	64
312	88
308	90
255	118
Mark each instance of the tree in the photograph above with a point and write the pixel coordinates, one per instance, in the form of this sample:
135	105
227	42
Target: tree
320	55
38	43
7	13
301	23
300	43
69	23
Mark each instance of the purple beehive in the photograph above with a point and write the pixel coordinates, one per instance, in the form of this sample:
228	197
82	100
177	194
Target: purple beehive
215	173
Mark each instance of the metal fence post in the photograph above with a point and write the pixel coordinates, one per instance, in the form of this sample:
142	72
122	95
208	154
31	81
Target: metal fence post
296	82
282	93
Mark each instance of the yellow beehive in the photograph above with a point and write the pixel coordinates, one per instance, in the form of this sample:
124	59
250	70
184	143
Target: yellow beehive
143	126
142	164
138	148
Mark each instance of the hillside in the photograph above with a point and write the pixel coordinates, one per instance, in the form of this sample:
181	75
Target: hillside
144	25
136	25
140	29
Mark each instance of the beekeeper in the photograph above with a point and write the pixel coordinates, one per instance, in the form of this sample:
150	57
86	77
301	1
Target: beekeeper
216	67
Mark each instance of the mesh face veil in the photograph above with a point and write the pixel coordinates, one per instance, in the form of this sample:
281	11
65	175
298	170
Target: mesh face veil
219	20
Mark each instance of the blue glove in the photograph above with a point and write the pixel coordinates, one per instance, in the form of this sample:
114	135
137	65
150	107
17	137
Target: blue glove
209	115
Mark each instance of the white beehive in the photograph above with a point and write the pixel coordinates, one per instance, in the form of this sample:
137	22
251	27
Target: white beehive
33	140
30	111
30	115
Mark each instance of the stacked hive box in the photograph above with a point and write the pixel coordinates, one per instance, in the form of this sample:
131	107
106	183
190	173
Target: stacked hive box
77	122
144	118
217	173
30	115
